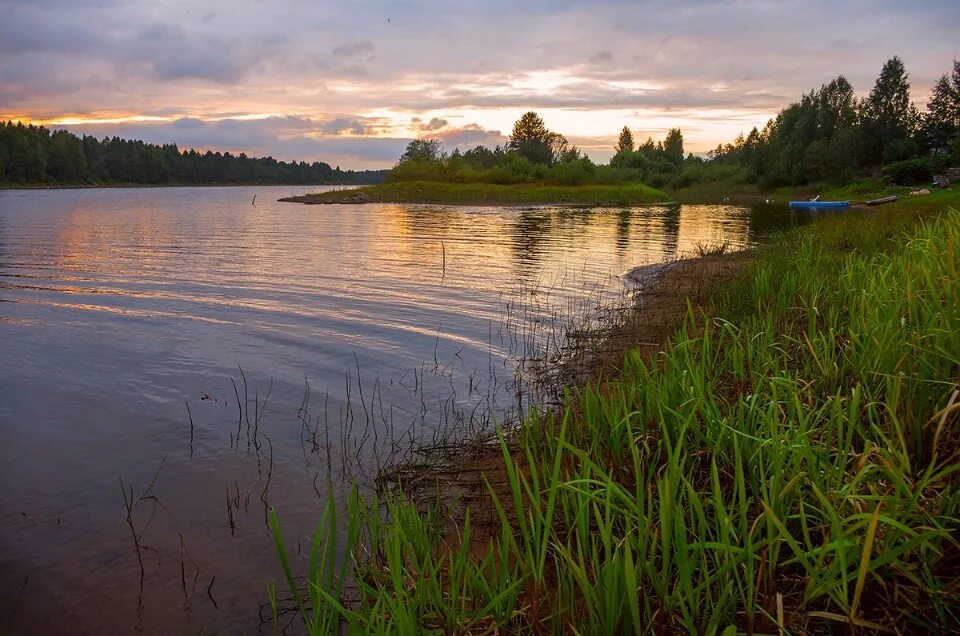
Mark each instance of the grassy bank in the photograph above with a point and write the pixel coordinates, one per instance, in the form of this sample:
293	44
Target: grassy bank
788	461
859	191
489	194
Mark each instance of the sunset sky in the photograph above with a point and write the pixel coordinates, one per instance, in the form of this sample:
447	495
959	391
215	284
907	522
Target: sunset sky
351	82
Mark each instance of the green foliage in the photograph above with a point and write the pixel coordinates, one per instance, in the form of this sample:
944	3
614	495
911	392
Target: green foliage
422	150
416	170
830	137
673	146
35	155
576	172
630	160
941	123
909	171
788	465
899	149
531	138
482	158
888	114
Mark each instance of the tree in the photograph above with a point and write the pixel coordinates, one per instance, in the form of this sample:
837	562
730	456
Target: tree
571	153
836	107
625	142
888	114
28	162
480	158
941	123
561	151
532	140
648	148
67	162
422	150
955	83
673	146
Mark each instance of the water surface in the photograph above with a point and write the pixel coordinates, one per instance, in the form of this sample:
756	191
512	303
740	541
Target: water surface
121	307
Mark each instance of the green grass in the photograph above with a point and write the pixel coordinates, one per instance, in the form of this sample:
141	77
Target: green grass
492	194
789	463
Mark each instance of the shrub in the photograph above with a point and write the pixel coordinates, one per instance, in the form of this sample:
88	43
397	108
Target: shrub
413	170
897	150
657	180
941	163
687	177
574	172
909	171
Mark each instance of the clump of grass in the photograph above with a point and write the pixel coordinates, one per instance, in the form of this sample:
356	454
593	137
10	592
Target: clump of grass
789	464
707	250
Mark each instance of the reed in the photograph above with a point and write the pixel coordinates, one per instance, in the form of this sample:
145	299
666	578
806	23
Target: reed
788	463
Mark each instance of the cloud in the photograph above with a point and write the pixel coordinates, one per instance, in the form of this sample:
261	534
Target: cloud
470	136
344	125
353	49
174	53
601	57
422	127
351	79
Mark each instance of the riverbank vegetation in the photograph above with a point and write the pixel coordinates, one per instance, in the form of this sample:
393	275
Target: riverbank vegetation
788	461
34	156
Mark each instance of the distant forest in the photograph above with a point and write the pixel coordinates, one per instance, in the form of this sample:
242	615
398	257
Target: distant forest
35	155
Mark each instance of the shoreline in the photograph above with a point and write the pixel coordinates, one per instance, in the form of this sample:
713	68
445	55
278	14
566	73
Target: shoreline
469	474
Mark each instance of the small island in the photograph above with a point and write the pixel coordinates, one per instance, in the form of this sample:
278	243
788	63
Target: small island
536	167
491	194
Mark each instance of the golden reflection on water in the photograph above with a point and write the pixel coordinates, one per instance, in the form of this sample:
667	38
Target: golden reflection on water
404	249
275	265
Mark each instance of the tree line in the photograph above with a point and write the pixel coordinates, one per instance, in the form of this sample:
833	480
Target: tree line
828	136
36	155
831	135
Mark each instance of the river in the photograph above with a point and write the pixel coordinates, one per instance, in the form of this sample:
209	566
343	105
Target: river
213	352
